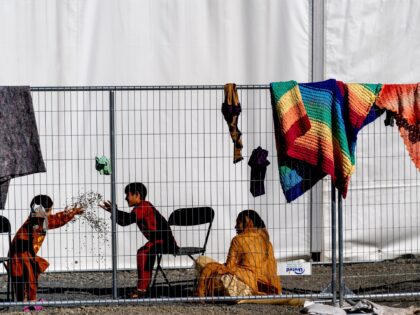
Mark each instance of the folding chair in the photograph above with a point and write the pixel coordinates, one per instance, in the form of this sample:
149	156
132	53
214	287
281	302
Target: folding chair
188	217
5	227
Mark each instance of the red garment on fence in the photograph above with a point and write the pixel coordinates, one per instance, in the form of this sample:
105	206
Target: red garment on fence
404	101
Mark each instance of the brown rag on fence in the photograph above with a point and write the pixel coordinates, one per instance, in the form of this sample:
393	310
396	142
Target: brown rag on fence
231	109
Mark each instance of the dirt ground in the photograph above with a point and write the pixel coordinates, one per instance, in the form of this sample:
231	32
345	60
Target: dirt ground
397	276
171	309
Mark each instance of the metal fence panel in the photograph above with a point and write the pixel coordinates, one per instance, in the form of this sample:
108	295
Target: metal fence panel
175	140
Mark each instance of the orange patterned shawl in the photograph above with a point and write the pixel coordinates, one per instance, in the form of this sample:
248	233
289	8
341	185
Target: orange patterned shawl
27	244
250	259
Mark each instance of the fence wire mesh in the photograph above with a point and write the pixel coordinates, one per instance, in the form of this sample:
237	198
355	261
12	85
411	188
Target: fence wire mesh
175	141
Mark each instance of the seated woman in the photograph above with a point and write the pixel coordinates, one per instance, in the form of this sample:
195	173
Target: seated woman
250	267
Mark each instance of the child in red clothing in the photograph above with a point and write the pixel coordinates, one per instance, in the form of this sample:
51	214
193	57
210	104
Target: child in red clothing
26	266
153	226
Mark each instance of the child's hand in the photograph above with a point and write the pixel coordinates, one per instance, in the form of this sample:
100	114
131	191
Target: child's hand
106	205
79	211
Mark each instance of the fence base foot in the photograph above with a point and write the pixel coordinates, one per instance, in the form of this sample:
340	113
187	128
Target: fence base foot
346	290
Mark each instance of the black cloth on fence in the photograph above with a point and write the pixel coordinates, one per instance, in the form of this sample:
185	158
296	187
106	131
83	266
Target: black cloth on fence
258	163
20	152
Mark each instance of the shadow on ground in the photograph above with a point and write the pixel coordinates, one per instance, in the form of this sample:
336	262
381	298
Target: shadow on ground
159	290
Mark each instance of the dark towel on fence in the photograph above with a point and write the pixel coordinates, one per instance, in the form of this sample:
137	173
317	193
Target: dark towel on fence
258	163
20	152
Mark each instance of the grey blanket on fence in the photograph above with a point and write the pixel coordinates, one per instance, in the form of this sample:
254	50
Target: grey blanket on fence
20	152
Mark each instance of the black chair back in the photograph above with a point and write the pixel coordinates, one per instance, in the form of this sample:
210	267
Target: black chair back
188	217
5	226
191	216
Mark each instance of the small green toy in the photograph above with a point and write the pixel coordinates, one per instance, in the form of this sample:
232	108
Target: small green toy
103	165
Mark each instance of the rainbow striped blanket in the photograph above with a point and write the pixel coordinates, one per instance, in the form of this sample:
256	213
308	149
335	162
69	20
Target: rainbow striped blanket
316	126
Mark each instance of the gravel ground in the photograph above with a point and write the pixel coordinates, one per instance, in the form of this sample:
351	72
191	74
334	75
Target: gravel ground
171	309
396	276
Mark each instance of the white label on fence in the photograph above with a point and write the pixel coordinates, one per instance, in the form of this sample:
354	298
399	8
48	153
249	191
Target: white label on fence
294	268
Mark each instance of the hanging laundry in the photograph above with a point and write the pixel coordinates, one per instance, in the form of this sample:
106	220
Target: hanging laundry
20	152
258	163
316	126
103	165
403	100
231	108
359	109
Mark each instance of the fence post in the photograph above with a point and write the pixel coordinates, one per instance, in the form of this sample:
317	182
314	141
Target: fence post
113	199
316	74
333	245
341	287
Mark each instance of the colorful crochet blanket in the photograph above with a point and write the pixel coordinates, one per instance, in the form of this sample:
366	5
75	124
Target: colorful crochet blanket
316	126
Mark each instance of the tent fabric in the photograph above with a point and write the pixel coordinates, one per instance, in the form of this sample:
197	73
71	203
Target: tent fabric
372	42
95	42
161	42
182	155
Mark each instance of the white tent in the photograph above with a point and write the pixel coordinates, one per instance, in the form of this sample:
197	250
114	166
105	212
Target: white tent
51	43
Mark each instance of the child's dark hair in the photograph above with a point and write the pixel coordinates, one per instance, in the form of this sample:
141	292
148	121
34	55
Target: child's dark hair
137	187
253	216
42	200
